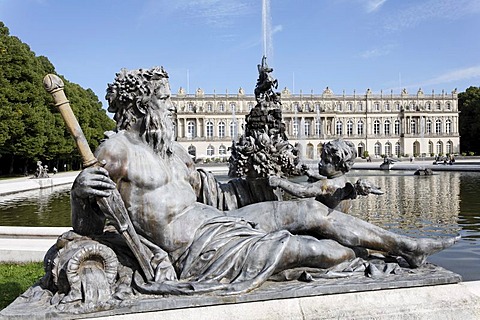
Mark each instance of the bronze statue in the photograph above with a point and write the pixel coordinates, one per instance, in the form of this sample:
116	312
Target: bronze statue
140	227
229	250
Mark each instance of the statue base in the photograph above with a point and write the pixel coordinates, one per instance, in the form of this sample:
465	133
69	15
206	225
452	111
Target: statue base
320	298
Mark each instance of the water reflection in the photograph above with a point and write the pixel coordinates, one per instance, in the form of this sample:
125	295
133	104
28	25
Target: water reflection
48	207
412	205
447	203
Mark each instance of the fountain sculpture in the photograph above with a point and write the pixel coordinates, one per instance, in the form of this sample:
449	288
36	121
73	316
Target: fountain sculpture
150	232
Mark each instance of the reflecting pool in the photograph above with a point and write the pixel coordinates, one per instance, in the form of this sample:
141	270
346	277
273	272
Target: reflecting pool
445	204
48	207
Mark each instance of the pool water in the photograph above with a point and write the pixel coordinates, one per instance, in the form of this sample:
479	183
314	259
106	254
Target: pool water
445	204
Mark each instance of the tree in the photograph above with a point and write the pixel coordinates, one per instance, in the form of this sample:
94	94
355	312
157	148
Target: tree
469	119
31	128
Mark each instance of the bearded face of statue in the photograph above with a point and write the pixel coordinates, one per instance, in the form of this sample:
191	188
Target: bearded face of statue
141	102
158	125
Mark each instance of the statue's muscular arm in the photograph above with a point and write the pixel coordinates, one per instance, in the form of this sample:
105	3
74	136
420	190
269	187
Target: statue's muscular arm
91	183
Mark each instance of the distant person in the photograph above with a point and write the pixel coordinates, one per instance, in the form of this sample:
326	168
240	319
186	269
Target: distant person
55	170
452	159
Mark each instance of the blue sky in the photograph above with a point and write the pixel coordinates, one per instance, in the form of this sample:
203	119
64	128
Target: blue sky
216	44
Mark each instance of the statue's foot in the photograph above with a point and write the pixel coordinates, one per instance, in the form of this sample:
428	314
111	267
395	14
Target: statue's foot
425	247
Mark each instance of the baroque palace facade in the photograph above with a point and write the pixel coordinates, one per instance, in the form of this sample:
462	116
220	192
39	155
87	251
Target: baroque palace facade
393	125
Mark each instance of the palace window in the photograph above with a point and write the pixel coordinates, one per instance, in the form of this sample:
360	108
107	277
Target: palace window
360	127
295	128
388	149
318	127
448	126
306	129
428	106
376	106
430	147
397	127
210	150
398	149
387	106
338	106
439	148
222	150
232	106
191	129
221	107
438	126
449	147
221	129
413	126
233	128
439	105
376	127
250	106
350	106
386	127
449	106
190	107
339	128
349	127
209	107
209	129
377	149
359	106
397	106
428	126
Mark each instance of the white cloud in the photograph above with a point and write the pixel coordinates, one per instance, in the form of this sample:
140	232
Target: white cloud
457	75
373	5
277	28
431	9
377	52
219	13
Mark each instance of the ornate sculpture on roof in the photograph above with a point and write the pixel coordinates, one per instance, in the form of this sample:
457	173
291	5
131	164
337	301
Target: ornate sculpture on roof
327	91
181	91
241	92
199	92
286	92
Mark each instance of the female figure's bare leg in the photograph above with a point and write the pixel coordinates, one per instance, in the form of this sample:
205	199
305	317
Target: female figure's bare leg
314	218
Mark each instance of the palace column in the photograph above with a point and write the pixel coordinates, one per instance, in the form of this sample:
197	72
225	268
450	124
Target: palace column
199	123
181	128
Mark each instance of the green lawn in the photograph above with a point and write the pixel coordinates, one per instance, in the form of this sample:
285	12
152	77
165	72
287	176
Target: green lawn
15	279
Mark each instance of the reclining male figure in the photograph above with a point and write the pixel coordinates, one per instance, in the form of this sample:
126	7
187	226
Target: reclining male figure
238	249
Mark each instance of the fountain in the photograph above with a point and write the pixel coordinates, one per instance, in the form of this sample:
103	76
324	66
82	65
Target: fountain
97	268
168	236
